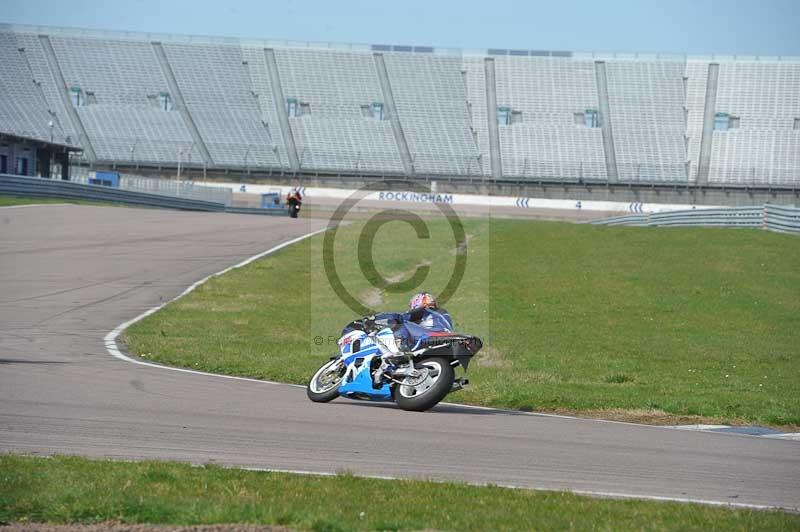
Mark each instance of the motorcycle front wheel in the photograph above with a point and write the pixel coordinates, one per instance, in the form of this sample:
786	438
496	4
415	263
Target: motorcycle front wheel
423	393
324	385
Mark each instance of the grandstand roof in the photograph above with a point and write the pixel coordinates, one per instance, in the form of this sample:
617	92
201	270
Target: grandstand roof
56	146
283	43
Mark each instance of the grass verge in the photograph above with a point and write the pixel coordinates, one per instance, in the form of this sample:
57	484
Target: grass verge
77	490
10	201
654	325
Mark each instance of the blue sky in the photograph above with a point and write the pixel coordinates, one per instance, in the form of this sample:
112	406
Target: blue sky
767	27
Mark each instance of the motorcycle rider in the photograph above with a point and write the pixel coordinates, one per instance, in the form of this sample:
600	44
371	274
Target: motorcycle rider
423	311
294	199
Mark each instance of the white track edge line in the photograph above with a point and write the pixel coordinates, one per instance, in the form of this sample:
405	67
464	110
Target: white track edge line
588	493
111	346
113	349
110	339
36	205
687	428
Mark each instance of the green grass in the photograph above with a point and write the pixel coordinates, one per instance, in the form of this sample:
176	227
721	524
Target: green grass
648	324
7	201
77	490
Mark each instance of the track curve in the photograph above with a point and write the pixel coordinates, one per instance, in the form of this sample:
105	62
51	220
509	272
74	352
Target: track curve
70	274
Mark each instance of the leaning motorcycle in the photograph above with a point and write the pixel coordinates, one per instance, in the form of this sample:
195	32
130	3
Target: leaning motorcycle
416	379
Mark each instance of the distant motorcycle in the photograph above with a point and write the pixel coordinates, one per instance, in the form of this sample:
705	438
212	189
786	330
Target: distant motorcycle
293	201
416	380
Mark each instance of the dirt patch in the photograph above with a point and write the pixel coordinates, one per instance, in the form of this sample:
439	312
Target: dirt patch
461	249
372	298
405	275
113	526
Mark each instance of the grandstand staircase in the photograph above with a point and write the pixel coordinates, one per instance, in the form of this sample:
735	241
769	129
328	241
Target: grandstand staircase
704	160
63	91
394	118
280	107
605	121
180	103
491	114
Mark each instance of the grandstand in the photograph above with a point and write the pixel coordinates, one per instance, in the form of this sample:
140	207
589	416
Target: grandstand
541	138
282	108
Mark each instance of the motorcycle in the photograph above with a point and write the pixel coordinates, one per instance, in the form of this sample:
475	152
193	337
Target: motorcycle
416	379
293	203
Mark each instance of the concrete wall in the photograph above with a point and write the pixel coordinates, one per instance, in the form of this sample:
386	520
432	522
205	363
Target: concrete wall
708	195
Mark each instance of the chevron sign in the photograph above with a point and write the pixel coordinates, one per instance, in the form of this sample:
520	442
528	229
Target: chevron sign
636	207
523	202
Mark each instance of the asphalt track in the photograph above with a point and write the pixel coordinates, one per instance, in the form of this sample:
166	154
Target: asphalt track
71	274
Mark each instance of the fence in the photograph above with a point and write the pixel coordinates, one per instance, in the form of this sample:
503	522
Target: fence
771	217
50	188
166	187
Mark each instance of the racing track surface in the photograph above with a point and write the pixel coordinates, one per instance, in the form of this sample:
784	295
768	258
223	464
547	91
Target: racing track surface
70	274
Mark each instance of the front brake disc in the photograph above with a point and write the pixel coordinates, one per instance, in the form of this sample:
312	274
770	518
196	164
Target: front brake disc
416	378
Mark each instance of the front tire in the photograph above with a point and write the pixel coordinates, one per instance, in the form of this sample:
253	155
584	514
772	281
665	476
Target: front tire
426	394
324	385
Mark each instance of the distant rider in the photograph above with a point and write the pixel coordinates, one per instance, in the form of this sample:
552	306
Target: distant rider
294	199
423	311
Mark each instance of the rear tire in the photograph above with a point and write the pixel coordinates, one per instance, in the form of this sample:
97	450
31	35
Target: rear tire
324	386
428	393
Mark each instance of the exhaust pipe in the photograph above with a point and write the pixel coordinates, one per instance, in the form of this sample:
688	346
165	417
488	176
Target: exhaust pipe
459	384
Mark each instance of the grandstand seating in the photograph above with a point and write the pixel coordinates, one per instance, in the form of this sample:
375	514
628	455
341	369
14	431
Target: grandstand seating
259	77
430	95
138	134
346	144
755	157
220	97
646	100
31	50
765	148
116	72
335	133
547	143
122	79
227	111
23	109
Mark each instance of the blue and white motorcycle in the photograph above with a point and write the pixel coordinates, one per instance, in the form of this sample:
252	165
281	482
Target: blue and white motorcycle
416	379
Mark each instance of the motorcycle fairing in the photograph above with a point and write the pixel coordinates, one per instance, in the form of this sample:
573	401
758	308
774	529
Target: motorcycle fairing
357	381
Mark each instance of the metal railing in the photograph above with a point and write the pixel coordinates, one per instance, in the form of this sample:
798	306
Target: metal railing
782	219
770	217
50	188
164	187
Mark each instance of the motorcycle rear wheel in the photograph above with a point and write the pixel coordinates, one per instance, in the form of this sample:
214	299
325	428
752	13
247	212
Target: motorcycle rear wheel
324	385
425	395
